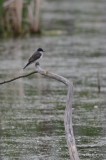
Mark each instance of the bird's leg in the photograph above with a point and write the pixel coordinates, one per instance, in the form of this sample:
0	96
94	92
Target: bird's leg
37	64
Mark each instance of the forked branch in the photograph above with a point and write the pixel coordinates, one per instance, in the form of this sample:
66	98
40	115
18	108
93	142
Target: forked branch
68	110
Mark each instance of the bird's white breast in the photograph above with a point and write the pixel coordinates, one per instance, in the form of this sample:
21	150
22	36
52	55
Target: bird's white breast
41	54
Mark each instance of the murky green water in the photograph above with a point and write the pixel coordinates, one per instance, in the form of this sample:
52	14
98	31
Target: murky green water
32	109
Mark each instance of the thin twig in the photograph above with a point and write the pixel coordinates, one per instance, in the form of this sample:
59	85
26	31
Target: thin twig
13	79
98	82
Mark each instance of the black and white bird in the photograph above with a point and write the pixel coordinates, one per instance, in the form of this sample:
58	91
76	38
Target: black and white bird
36	56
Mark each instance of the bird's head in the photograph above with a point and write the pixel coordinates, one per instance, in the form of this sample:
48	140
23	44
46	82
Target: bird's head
40	50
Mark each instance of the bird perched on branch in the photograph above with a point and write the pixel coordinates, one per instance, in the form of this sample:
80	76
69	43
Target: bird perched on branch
36	56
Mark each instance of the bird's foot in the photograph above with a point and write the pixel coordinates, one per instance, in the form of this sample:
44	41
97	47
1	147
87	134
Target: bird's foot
37	64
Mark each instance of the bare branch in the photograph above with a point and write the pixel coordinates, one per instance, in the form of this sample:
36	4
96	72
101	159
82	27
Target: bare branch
68	111
13	79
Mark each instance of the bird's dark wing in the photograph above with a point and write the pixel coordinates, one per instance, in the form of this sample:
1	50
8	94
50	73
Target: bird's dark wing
34	57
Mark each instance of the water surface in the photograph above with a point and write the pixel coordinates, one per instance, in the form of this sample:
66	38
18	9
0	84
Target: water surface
32	109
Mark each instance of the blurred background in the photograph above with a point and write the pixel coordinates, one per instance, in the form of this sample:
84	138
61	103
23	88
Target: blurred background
73	34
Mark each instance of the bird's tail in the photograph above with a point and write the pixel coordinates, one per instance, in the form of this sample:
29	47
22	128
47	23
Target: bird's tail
26	65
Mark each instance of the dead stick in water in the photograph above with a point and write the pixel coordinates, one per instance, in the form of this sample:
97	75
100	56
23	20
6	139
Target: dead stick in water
68	111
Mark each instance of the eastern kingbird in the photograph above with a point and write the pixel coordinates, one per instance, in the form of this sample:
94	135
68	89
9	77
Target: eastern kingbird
37	55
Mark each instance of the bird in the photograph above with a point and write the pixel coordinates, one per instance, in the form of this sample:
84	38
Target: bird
36	56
